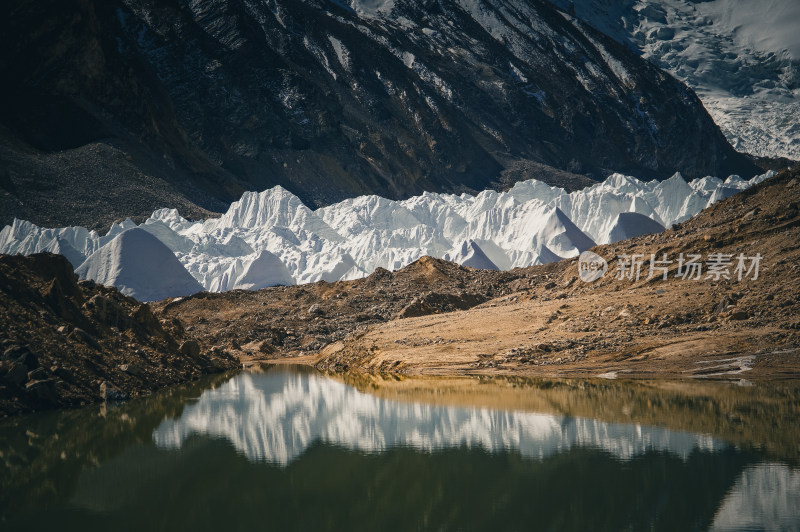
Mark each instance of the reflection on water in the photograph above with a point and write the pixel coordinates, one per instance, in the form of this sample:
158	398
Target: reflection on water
277	416
296	450
766	497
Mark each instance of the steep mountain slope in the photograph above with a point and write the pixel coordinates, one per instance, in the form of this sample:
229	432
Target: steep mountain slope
207	99
742	57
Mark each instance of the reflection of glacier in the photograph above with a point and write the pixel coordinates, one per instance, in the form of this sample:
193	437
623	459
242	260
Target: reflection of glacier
766	497
275	417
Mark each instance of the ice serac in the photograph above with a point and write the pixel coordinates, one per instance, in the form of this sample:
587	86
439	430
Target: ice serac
60	246
471	255
334	268
630	225
139	265
275	207
24	238
674	200
271	237
265	270
358	215
174	241
565	238
722	193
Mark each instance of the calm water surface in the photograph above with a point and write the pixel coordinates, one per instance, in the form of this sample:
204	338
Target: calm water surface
291	449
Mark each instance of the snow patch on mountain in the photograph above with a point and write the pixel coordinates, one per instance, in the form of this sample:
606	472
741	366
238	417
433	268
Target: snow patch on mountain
372	8
741	57
271	238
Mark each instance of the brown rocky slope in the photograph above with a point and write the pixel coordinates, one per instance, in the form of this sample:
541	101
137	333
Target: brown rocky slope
559	325
66	343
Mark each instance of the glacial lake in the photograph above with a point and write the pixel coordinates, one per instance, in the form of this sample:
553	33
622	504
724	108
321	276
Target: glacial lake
287	448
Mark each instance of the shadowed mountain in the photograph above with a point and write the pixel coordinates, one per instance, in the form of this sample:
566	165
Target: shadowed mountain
116	108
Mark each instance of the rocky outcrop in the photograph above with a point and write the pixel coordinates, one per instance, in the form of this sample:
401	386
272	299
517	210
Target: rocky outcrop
65	342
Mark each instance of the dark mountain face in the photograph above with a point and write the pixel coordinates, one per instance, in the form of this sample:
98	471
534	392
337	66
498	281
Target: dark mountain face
333	100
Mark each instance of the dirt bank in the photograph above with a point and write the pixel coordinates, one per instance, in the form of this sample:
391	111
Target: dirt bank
623	327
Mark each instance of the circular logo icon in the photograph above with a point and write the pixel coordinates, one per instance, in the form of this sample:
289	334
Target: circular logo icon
591	266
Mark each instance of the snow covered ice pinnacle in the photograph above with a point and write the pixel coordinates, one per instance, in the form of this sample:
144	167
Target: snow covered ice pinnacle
141	266
271	238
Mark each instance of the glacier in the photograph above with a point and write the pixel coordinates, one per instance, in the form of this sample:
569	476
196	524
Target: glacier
139	265
741	57
271	238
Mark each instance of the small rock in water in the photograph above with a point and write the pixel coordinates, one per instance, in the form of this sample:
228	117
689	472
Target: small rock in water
109	392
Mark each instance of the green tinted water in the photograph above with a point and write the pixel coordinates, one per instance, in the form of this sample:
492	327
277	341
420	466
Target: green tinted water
292	449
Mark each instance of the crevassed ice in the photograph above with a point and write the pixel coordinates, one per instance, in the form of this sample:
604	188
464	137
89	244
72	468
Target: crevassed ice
271	237
741	57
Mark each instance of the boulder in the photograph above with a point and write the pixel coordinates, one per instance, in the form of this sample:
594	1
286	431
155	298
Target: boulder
17	355
17	374
109	392
190	348
43	390
79	334
108	312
